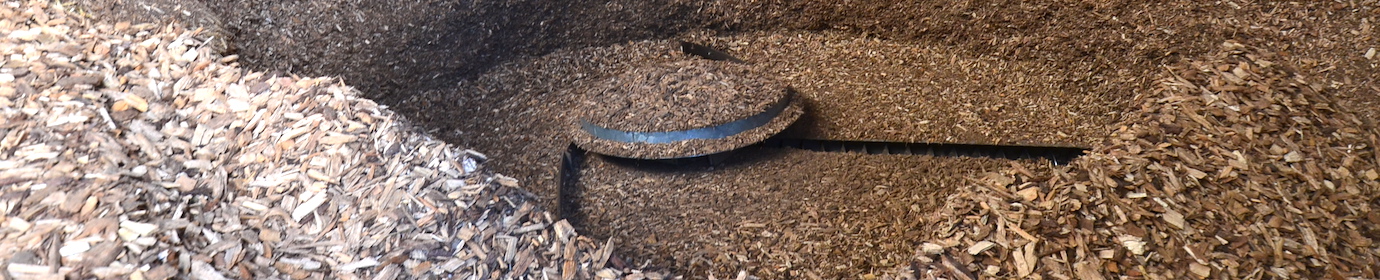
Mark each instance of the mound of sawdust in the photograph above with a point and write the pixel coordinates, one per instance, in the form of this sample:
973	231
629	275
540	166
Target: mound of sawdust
680	95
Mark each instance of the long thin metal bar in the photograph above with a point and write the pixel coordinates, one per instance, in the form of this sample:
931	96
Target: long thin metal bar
1058	154
707	52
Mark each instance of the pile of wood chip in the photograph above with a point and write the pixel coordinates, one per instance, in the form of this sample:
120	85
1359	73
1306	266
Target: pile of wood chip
1236	167
136	151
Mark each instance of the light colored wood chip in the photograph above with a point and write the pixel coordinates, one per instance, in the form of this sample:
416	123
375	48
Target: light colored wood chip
1200	271
1174	219
980	247
308	206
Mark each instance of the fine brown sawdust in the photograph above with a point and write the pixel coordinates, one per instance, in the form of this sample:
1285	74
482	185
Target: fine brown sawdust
776	213
682	95
863	88
392	50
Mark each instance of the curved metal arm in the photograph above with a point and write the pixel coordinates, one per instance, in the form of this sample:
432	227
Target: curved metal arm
712	132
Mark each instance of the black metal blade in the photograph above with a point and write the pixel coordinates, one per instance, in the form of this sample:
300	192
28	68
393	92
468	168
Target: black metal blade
707	52
568	188
1059	155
